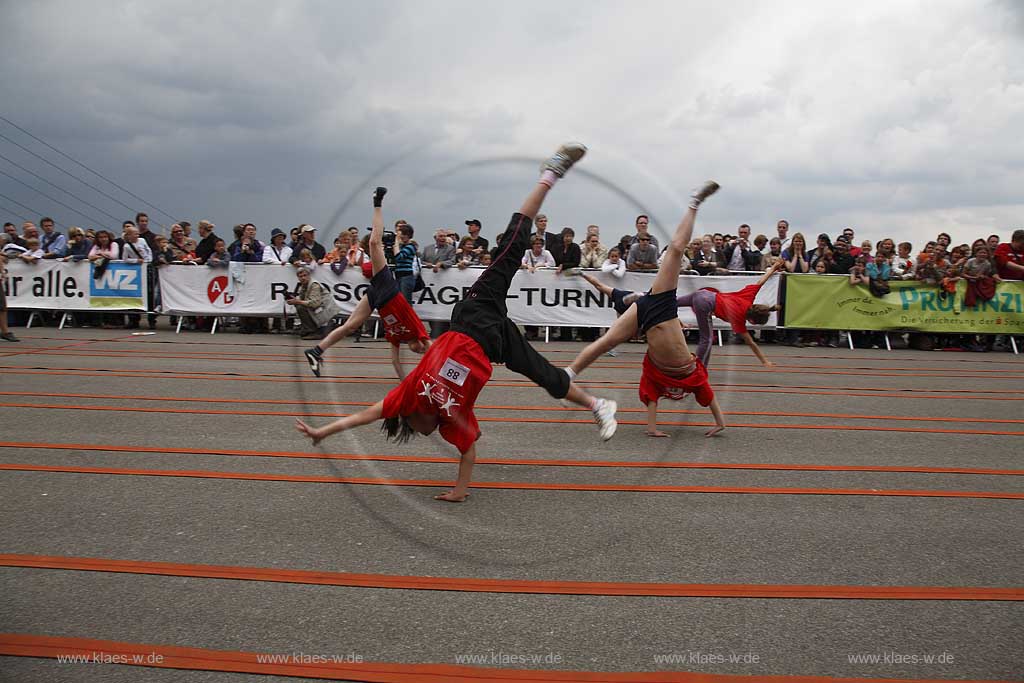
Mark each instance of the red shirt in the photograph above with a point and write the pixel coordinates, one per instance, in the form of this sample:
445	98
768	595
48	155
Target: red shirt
732	307
446	383
401	324
1005	253
655	384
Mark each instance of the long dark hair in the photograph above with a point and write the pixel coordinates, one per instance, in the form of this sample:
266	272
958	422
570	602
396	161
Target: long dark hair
397	429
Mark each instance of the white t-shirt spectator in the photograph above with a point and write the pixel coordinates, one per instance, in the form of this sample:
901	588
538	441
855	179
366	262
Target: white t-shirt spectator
137	252
272	254
545	260
616	269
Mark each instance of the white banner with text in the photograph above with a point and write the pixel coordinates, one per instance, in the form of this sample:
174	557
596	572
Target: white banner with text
76	286
540	298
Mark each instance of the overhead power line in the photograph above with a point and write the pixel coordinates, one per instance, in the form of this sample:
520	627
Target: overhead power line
27	208
9	212
94	172
52	184
54	199
72	175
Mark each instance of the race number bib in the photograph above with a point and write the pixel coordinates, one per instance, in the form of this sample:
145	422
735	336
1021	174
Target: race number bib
453	372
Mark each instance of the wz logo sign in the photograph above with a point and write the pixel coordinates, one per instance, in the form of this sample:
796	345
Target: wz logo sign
121	281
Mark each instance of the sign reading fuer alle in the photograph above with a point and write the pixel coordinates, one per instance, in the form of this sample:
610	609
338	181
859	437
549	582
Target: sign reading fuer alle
71	286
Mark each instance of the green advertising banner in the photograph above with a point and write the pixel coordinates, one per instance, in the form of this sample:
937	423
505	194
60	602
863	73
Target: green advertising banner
830	302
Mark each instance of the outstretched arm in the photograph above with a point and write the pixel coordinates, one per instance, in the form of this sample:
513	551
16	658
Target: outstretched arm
778	265
461	490
396	361
719	419
757	350
597	284
318	434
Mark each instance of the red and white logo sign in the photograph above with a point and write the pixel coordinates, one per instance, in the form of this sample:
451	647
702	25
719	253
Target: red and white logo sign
217	291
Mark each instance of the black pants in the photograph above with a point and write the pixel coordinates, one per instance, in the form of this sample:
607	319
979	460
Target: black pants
483	314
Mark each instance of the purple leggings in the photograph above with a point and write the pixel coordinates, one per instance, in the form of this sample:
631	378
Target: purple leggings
703	304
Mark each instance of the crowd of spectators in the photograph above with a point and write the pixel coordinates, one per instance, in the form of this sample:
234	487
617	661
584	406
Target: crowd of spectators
938	263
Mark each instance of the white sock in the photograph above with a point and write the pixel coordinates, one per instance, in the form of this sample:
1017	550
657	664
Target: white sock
548	178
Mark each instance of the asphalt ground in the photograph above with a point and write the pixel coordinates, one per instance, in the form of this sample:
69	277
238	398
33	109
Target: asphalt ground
862	469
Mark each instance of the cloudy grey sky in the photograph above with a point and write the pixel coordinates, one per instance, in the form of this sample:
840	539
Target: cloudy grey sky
900	118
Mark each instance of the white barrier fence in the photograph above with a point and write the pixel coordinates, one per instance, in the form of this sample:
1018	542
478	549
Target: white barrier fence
543	298
71	286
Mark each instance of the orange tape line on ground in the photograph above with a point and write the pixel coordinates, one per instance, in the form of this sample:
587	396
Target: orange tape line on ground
199	659
386	360
522	420
475	585
625	464
755	368
102	373
623	350
548	408
532	486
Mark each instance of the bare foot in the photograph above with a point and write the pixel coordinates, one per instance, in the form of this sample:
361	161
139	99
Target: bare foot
655	432
450	497
714	430
769	364
312	432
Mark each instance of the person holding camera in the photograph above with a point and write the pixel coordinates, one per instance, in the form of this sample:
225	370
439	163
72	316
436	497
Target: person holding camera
247	249
740	254
314	304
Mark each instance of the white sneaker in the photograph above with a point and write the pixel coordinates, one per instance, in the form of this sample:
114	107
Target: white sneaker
703	192
604	415
562	160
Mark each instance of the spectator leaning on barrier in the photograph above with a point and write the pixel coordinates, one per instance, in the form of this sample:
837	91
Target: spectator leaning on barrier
440	254
537	256
842	261
824	248
179	246
105	247
981	276
219	257
1010	257
207	239
739	254
567	253
614	264
53	243
643	255
593	253
642	223
307	240
774	253
902	263
78	245
708	261
277	252
466	254
247	249
796	255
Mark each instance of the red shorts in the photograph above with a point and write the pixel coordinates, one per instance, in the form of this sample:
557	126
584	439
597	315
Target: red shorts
655	384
